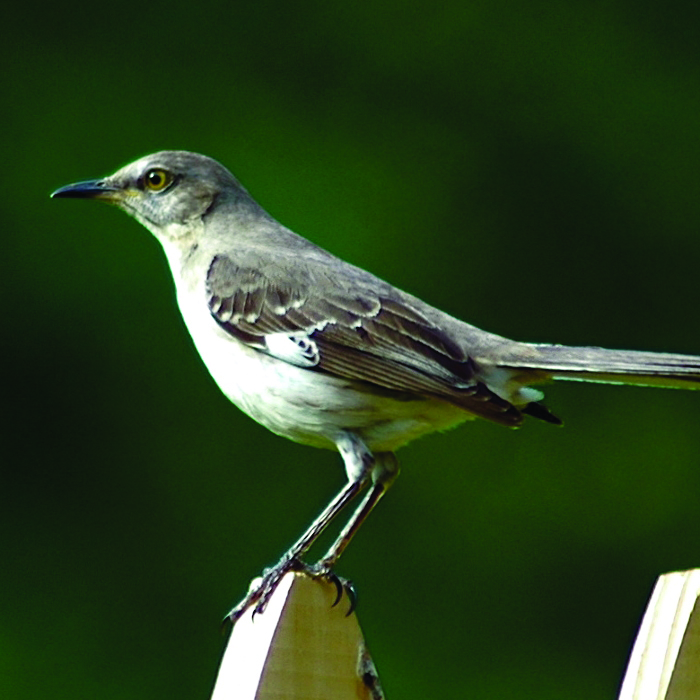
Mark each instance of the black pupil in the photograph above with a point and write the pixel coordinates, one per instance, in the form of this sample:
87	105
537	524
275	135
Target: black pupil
155	178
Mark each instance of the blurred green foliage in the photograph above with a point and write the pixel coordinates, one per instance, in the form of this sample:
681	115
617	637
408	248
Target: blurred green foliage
529	167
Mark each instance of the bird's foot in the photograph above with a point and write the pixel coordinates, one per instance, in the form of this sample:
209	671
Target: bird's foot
321	570
262	588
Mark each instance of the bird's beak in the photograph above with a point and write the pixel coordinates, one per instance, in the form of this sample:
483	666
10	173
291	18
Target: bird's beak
91	189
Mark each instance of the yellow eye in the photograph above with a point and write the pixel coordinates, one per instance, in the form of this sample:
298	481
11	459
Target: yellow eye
157	179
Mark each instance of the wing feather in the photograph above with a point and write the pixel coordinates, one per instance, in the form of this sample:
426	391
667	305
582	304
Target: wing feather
360	335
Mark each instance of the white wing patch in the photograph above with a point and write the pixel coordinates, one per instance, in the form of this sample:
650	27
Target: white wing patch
297	349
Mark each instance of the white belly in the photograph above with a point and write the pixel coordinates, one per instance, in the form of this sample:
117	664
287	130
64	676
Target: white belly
304	405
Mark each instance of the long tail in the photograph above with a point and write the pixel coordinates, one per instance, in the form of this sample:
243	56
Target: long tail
611	366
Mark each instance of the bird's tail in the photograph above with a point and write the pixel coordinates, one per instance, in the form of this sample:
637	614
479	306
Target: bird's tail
610	366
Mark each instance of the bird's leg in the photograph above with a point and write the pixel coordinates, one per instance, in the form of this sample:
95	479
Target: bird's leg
359	464
384	472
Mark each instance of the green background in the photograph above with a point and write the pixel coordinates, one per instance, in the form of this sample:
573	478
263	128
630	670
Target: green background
530	167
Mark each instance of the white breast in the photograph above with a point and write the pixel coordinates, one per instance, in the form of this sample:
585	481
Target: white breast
302	404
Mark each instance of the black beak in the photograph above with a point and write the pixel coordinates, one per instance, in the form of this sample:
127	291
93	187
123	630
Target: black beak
90	189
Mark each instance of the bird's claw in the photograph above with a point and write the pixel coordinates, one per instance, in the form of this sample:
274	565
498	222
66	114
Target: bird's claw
262	588
342	585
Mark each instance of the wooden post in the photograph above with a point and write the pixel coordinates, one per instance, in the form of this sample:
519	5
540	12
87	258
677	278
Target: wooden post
665	660
300	648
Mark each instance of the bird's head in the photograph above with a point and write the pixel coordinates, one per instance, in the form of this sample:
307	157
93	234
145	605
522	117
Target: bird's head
168	192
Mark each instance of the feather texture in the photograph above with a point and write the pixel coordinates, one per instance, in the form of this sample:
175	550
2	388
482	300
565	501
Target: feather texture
363	337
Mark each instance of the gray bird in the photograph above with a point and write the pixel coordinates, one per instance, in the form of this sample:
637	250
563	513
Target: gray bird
325	353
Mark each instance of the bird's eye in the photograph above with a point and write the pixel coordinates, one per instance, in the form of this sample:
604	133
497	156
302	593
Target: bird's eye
157	179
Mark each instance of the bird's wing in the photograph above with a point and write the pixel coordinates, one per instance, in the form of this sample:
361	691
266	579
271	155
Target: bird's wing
359	335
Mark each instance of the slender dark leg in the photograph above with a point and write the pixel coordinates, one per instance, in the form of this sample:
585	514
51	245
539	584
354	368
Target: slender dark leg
359	465
384	472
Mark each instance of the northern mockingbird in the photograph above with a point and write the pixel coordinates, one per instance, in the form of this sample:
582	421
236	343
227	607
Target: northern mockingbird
326	354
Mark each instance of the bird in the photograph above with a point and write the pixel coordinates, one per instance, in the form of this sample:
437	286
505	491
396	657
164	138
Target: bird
325	353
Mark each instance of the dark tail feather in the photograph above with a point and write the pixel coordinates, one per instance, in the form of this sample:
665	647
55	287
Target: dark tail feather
536	409
611	366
